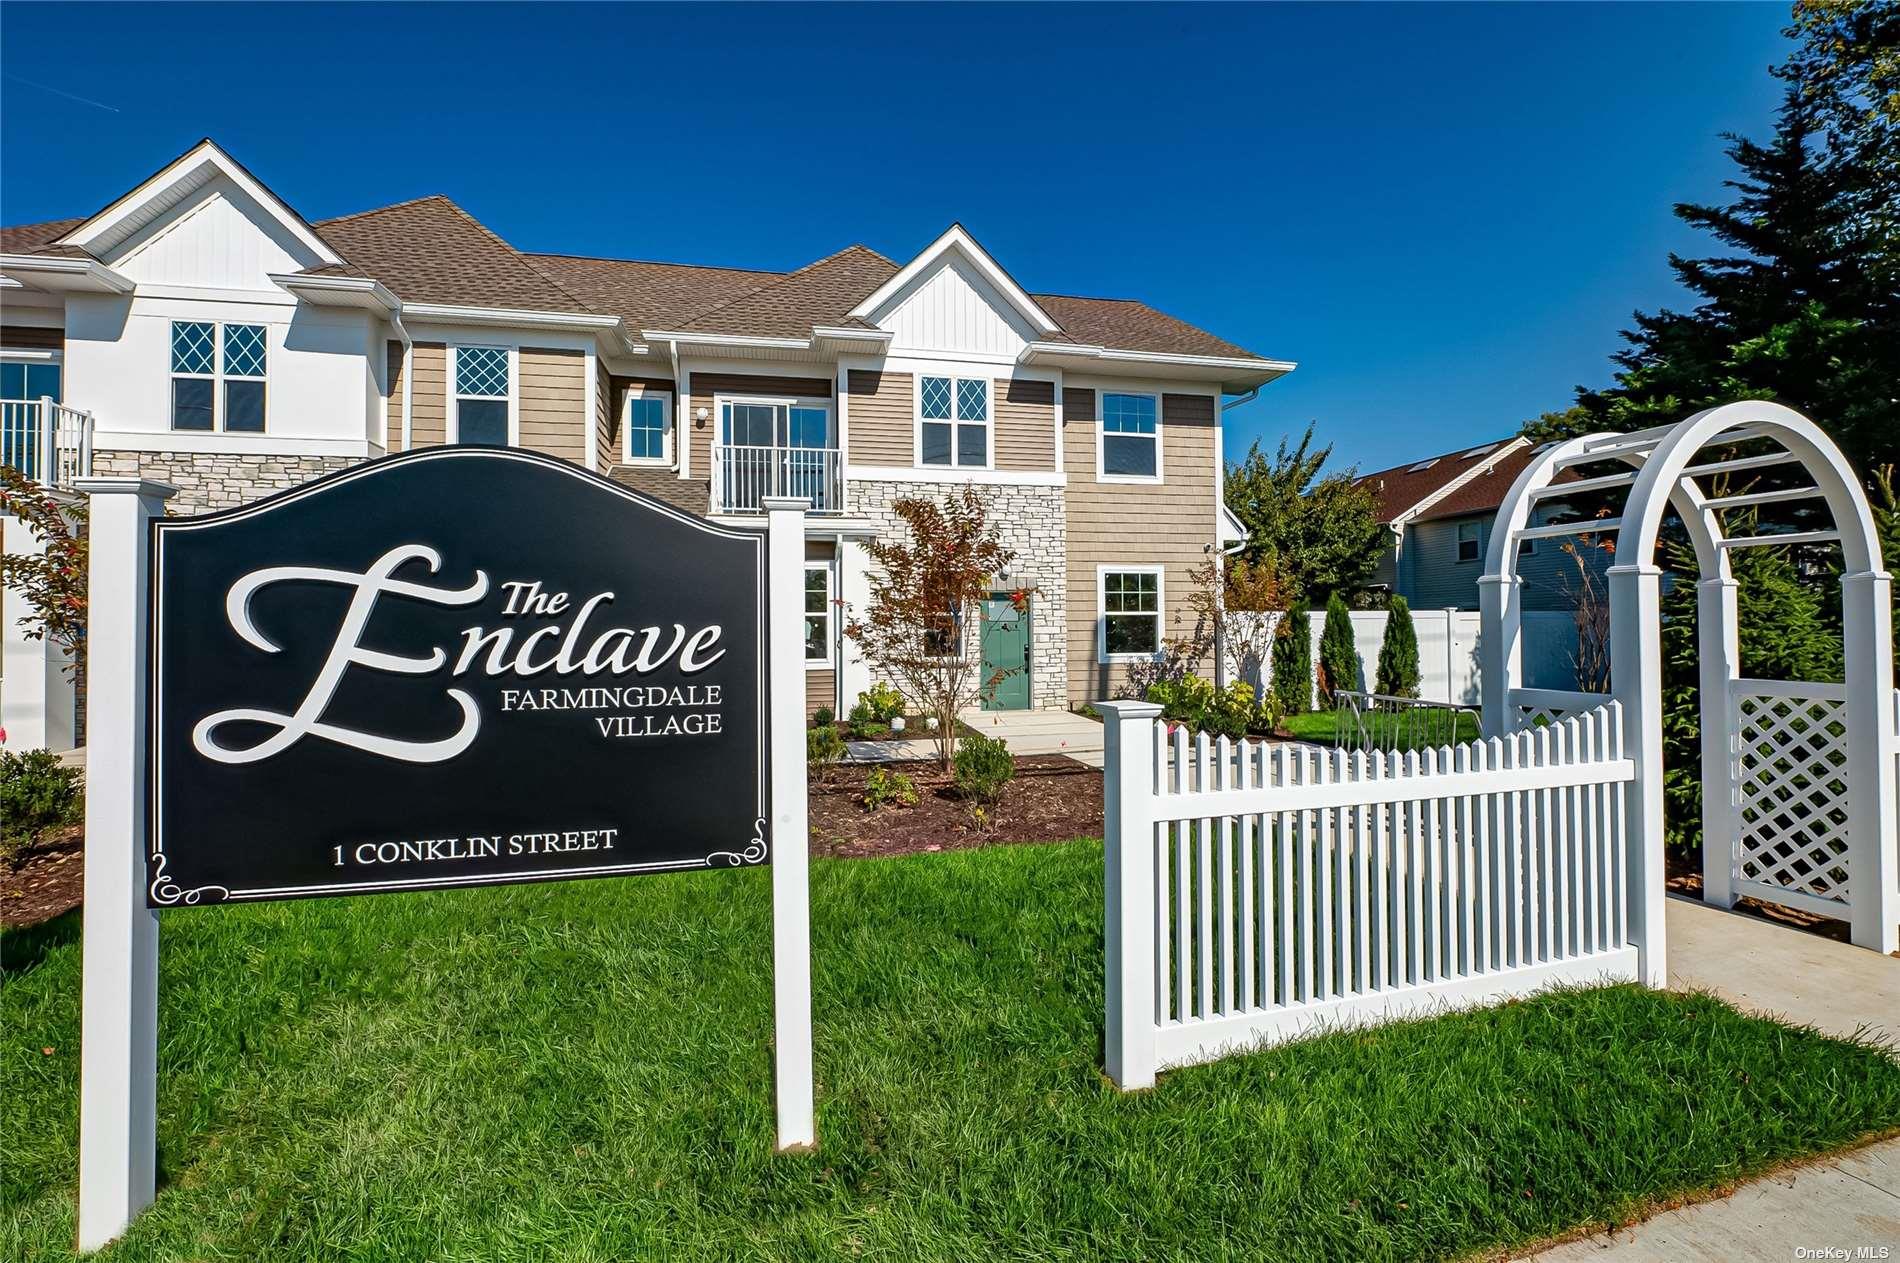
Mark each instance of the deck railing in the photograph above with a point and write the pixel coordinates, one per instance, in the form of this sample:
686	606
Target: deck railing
744	476
47	441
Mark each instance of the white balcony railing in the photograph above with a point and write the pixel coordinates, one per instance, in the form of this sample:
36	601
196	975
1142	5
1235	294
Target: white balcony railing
745	476
48	442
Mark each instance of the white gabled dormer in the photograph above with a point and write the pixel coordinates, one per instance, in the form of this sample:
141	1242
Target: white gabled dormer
954	298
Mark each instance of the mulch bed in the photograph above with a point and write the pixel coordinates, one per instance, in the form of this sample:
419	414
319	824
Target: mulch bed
1052	799
44	879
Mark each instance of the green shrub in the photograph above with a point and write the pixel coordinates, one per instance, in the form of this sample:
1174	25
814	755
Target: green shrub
1398	674
1197	704
1338	655
884	787
36	793
878	704
1293	663
822	717
982	767
823	748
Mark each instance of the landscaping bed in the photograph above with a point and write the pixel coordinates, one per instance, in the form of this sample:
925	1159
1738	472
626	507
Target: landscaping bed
1051	797
583	1071
44	878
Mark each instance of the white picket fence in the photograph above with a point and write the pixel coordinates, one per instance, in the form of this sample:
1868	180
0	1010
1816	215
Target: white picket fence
1257	892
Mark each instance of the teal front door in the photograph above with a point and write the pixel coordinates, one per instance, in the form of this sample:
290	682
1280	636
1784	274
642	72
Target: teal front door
1005	652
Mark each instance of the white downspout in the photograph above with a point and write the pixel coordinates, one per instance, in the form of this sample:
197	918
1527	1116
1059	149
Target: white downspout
408	371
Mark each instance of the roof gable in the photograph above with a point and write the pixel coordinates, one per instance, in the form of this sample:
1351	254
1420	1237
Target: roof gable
219	238
791	306
928	290
141	213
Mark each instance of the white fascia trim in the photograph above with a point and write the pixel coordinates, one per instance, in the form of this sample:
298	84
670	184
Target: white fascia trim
1059	351
1230	530
518	317
1477	468
956	474
956	238
338	291
57	273
725	339
204	152
837	333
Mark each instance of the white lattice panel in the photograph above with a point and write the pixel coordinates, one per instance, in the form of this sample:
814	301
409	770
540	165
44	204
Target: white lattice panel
1793	779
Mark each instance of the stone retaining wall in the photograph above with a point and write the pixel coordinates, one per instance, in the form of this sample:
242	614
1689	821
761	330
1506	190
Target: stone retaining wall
216	480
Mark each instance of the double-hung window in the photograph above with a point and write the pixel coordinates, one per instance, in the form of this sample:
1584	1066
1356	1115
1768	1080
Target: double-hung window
1131	439
648	427
218	376
953	421
482	396
1131	613
1468	541
818	613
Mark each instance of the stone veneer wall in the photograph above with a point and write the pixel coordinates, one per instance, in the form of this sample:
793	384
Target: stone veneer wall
1031	522
215	480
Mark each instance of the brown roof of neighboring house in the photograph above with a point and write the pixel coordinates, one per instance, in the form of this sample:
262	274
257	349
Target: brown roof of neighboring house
1402	487
432	251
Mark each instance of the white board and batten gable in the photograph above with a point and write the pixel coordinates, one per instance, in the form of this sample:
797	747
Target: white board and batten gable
201	241
953	299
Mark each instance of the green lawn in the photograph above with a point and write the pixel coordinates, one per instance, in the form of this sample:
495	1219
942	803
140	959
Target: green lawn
581	1072
1388	730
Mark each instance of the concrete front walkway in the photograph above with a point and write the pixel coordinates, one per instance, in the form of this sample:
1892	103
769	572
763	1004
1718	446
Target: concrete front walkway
1041	732
1844	1203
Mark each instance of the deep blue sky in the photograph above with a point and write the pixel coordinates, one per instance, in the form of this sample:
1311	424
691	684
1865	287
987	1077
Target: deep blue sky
1443	213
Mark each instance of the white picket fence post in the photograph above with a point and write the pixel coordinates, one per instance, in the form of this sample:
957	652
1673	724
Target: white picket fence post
118	1041
791	844
1129	853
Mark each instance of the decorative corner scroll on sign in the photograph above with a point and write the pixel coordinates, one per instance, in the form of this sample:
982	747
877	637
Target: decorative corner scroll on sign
754	850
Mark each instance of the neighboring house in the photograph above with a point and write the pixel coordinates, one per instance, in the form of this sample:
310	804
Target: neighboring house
1440	512
200	331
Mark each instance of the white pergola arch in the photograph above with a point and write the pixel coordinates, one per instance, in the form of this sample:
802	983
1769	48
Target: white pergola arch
1799	800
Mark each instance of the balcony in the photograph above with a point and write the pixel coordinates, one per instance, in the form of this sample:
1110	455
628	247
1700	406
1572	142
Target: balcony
46	441
742	477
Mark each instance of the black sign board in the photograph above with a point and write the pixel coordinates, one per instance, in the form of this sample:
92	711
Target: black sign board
456	667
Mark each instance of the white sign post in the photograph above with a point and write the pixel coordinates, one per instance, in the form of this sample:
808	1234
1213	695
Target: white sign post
791	881
118	1085
118	1053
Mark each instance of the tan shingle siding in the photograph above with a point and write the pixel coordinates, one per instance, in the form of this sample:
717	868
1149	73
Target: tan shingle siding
428	394
882	417
552	403
1025	415
1171	524
821	689
708	386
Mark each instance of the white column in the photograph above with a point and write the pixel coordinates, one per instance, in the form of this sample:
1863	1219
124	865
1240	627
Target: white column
1636	682
1718	649
791	847
1128	858
1500	646
118	1055
1873	869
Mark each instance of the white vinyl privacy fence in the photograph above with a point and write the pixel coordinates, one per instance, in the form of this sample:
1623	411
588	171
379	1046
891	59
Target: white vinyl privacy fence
1256	892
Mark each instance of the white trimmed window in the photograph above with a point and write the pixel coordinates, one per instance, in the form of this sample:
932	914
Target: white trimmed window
483	401
1129	599
1130	437
646	427
953	421
218	376
817	613
1468	541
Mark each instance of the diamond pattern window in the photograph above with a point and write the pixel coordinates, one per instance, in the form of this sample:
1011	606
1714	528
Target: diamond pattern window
481	395
218	376
244	378
953	417
1131	613
1130	441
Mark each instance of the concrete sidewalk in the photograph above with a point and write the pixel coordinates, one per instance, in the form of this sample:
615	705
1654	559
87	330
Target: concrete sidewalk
1843	1203
1041	732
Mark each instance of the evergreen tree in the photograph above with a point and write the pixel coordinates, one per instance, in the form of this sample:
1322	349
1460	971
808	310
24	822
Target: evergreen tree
1293	662
1338	655
1318	531
1398	674
1800	303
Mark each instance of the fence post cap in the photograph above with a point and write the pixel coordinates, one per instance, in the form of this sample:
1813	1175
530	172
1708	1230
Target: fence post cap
1129	708
785	504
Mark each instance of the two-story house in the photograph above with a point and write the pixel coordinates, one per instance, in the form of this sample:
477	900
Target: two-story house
201	332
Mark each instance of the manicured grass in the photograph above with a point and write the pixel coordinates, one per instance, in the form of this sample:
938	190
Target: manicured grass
582	1072
1388	730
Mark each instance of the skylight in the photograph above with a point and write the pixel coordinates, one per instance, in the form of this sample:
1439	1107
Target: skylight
1476	452
1424	464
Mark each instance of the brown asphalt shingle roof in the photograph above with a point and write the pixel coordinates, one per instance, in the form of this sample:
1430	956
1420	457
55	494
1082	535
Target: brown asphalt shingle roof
1400	487
650	295
38	238
432	251
820	293
1127	325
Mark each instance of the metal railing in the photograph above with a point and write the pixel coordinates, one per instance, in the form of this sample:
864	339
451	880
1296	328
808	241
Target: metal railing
47	441
744	476
1380	721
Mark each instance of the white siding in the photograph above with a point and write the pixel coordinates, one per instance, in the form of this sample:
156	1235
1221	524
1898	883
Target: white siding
955	310
221	241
